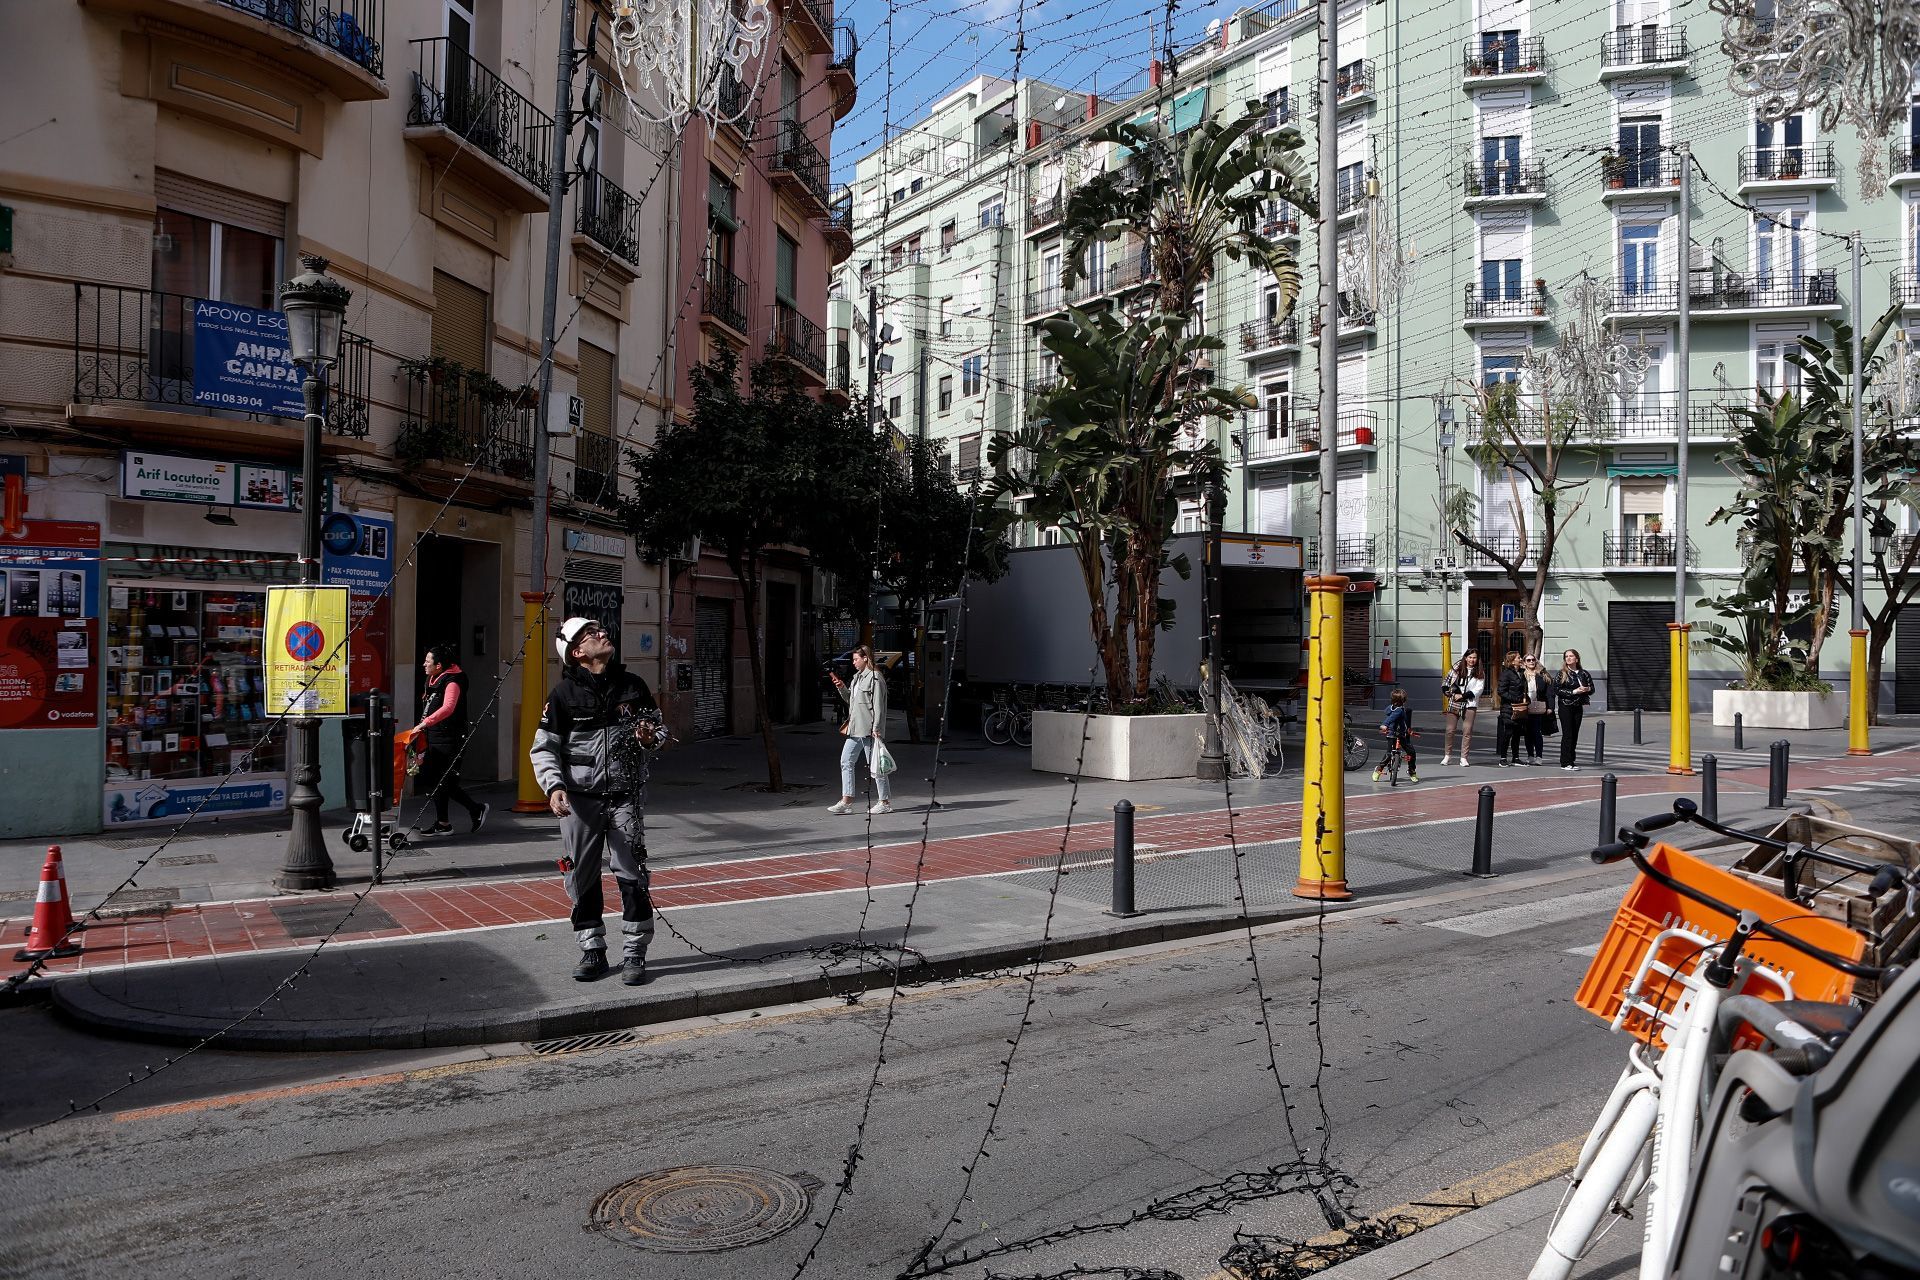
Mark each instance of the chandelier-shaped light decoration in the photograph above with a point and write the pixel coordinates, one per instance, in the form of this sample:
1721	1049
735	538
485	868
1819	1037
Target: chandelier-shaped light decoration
1851	60
679	58
1588	368
1374	268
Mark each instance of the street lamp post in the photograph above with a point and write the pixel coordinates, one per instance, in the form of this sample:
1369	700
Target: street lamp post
316	307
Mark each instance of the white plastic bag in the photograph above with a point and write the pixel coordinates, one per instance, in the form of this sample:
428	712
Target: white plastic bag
883	761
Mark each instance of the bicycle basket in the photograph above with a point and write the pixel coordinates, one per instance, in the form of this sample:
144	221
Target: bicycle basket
1650	907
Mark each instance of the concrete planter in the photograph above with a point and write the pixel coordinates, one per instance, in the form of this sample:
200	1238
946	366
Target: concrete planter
1126	748
1760	710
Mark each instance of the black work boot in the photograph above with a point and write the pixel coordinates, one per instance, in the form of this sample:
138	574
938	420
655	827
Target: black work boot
634	972
592	966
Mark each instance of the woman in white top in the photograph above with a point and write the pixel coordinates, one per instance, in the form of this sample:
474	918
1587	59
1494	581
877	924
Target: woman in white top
1462	690
866	722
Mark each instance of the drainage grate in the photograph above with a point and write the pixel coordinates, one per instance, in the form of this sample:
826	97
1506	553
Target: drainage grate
703	1209
185	860
1091	857
318	919
580	1044
141	902
146	841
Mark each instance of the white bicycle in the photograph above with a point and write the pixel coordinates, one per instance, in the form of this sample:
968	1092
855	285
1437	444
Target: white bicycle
1691	935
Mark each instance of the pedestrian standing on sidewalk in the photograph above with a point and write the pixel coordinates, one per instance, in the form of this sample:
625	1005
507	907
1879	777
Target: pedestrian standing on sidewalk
866	721
1512	694
1462	692
590	757
1538	689
443	720
1575	689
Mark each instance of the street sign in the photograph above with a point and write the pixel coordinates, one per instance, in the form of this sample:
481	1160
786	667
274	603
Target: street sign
306	651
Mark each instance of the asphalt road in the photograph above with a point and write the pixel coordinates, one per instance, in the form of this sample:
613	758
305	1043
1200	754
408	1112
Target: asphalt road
1141	1076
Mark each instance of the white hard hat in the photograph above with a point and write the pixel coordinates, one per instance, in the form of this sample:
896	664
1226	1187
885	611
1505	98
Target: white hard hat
569	632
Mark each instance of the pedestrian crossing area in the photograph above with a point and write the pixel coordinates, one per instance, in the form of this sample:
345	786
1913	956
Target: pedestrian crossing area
1496	921
1874	784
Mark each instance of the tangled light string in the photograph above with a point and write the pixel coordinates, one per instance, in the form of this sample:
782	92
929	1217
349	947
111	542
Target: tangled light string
1853	60
687	56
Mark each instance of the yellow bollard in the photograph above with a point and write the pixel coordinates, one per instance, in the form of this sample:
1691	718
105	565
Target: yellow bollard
533	699
1323	816
1858	697
1446	663
1679	710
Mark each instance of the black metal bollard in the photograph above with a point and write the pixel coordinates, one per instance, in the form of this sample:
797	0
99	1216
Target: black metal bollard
1777	774
1710	788
1739	732
1636	726
1483	837
1609	798
1123	859
1599	743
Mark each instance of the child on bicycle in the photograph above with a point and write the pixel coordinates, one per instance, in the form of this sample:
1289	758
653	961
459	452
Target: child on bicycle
1398	726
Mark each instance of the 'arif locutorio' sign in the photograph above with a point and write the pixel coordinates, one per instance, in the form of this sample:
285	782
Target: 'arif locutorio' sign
241	360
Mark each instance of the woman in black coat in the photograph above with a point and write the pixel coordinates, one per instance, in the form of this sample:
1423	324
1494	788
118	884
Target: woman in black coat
1512	693
1574	688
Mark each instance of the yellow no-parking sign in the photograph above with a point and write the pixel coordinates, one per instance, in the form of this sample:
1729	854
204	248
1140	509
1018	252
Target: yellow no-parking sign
305	651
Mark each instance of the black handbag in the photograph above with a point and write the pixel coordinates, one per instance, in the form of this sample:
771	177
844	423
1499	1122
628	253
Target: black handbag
1550	723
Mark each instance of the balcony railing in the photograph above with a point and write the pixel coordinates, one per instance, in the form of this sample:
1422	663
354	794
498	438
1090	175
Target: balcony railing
596	469
1503	55
1806	162
840	378
1628	550
1353	80
1648	45
1903	157
455	92
1267	335
840	216
1279	221
1490	179
798	338
723	296
1041	301
846	50
1905	286
1278	112
1650	415
1509	546
734	101
463	417
135	346
609	217
1042	213
820	11
1643	295
1349	196
796	156
1350	551
354	29
1299	435
1639	171
1501	303
1774	291
1355	315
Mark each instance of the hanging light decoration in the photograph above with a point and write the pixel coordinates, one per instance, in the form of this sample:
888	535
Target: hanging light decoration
1588	367
1373	266
680	58
1851	60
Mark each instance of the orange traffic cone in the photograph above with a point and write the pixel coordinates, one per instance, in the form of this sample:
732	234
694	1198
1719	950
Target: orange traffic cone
52	914
1386	662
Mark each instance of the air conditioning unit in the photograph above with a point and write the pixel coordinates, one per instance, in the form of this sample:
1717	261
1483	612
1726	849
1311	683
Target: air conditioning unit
688	551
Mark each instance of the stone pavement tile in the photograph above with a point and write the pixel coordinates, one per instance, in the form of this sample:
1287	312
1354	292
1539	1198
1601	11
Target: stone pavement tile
1500	1239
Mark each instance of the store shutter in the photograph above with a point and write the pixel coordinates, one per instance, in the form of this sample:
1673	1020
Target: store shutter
712	667
1637	655
219	204
1356	638
1274	513
1906	661
459	322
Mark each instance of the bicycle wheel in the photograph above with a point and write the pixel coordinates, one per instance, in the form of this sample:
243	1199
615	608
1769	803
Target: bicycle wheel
1023	730
998	727
1357	751
1393	766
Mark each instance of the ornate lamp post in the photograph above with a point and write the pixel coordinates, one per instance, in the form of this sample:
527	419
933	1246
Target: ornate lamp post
316	308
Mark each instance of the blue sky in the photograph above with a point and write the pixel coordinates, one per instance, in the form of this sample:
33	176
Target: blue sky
931	47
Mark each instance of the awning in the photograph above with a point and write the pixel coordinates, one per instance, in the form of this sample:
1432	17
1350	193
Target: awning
1189	109
1614	473
1120	153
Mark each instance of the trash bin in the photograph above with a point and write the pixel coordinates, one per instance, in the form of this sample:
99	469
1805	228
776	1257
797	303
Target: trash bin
353	742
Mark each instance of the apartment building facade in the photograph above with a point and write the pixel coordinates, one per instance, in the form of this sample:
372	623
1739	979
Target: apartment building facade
1497	153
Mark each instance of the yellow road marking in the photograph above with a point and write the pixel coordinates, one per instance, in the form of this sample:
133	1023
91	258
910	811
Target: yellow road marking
1458	1198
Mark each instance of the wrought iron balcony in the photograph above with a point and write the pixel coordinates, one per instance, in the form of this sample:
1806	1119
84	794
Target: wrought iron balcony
596	469
1298	435
723	297
135	346
1521	301
1279	221
1350	551
846	51
1270	335
798	165
354	29
1905	286
799	339
1503	55
1353	81
1772	291
1639	171
1629	49
1278	111
1507	546
1806	163
819	13
1045	301
609	217
1044	213
1502	181
1643	550
1355	317
1348	197
838	227
1903	160
454	92
463	417
1643	296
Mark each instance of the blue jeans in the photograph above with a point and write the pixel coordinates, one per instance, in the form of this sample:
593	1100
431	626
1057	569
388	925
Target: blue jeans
858	752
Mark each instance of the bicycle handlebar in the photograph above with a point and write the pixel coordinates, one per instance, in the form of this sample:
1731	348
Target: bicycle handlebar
1885	875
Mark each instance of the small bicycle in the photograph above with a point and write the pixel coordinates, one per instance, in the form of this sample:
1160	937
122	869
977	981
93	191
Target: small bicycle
1389	769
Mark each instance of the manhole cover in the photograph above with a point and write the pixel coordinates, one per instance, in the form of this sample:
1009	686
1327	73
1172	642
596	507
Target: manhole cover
319	919
703	1208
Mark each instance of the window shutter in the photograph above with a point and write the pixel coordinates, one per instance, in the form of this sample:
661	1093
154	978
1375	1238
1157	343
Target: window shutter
969	453
1273	71
1275	510
596	390
219	204
1503	237
459	322
1643	497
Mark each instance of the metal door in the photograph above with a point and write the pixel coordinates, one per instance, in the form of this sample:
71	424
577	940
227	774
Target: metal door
1638	659
1906	662
712	667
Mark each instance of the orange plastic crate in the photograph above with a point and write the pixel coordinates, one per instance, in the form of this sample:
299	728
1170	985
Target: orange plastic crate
1650	907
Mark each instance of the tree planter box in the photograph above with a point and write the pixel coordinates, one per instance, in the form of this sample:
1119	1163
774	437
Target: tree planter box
1760	710
1127	748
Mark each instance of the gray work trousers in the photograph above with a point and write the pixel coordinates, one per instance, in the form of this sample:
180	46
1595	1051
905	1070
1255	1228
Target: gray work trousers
608	827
